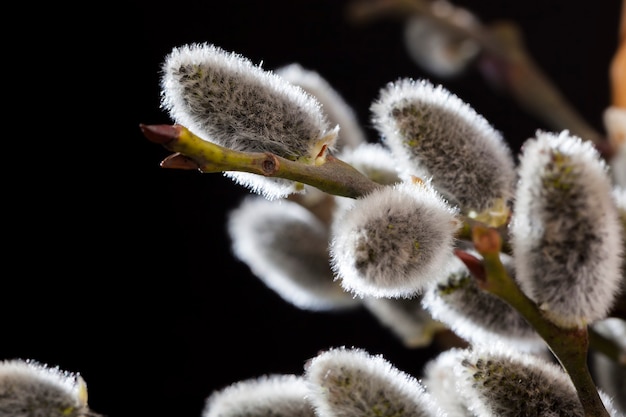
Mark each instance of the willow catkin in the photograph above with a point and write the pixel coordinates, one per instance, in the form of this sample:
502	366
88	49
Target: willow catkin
348	382
32	389
437	136
336	108
475	314
393	241
500	381
286	247
565	231
273	395
224	98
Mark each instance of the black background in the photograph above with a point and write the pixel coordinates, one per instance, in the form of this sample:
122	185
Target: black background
121	270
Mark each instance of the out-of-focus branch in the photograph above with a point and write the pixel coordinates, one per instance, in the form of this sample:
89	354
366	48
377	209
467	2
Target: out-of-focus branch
504	62
512	68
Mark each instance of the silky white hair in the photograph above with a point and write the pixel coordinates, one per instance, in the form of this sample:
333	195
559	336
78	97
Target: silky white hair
565	231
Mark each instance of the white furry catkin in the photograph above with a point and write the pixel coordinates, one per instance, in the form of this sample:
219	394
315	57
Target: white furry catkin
393	241
373	160
499	381
441	382
286	247
32	389
333	104
224	98
267	396
348	382
476	315
436	48
436	135
565	230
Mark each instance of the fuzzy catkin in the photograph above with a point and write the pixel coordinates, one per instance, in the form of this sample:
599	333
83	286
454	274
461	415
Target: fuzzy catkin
476	315
499	381
32	389
437	49
392	242
439	380
273	395
375	161
434	134
348	382
286	247
565	231
333	104
224	98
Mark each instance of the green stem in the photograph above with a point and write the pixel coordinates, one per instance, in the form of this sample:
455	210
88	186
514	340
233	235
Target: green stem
339	178
569	345
191	152
332	176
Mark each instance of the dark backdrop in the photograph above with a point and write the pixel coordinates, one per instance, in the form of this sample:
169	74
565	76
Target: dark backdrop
121	270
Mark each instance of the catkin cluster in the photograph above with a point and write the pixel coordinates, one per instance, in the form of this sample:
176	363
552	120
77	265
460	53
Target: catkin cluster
399	250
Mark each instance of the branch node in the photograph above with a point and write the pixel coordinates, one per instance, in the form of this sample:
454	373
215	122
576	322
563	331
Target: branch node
270	165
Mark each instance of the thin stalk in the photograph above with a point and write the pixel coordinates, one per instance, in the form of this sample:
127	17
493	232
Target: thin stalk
191	152
332	176
569	345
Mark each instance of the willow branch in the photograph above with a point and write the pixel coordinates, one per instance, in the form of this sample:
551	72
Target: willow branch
333	176
191	152
569	345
